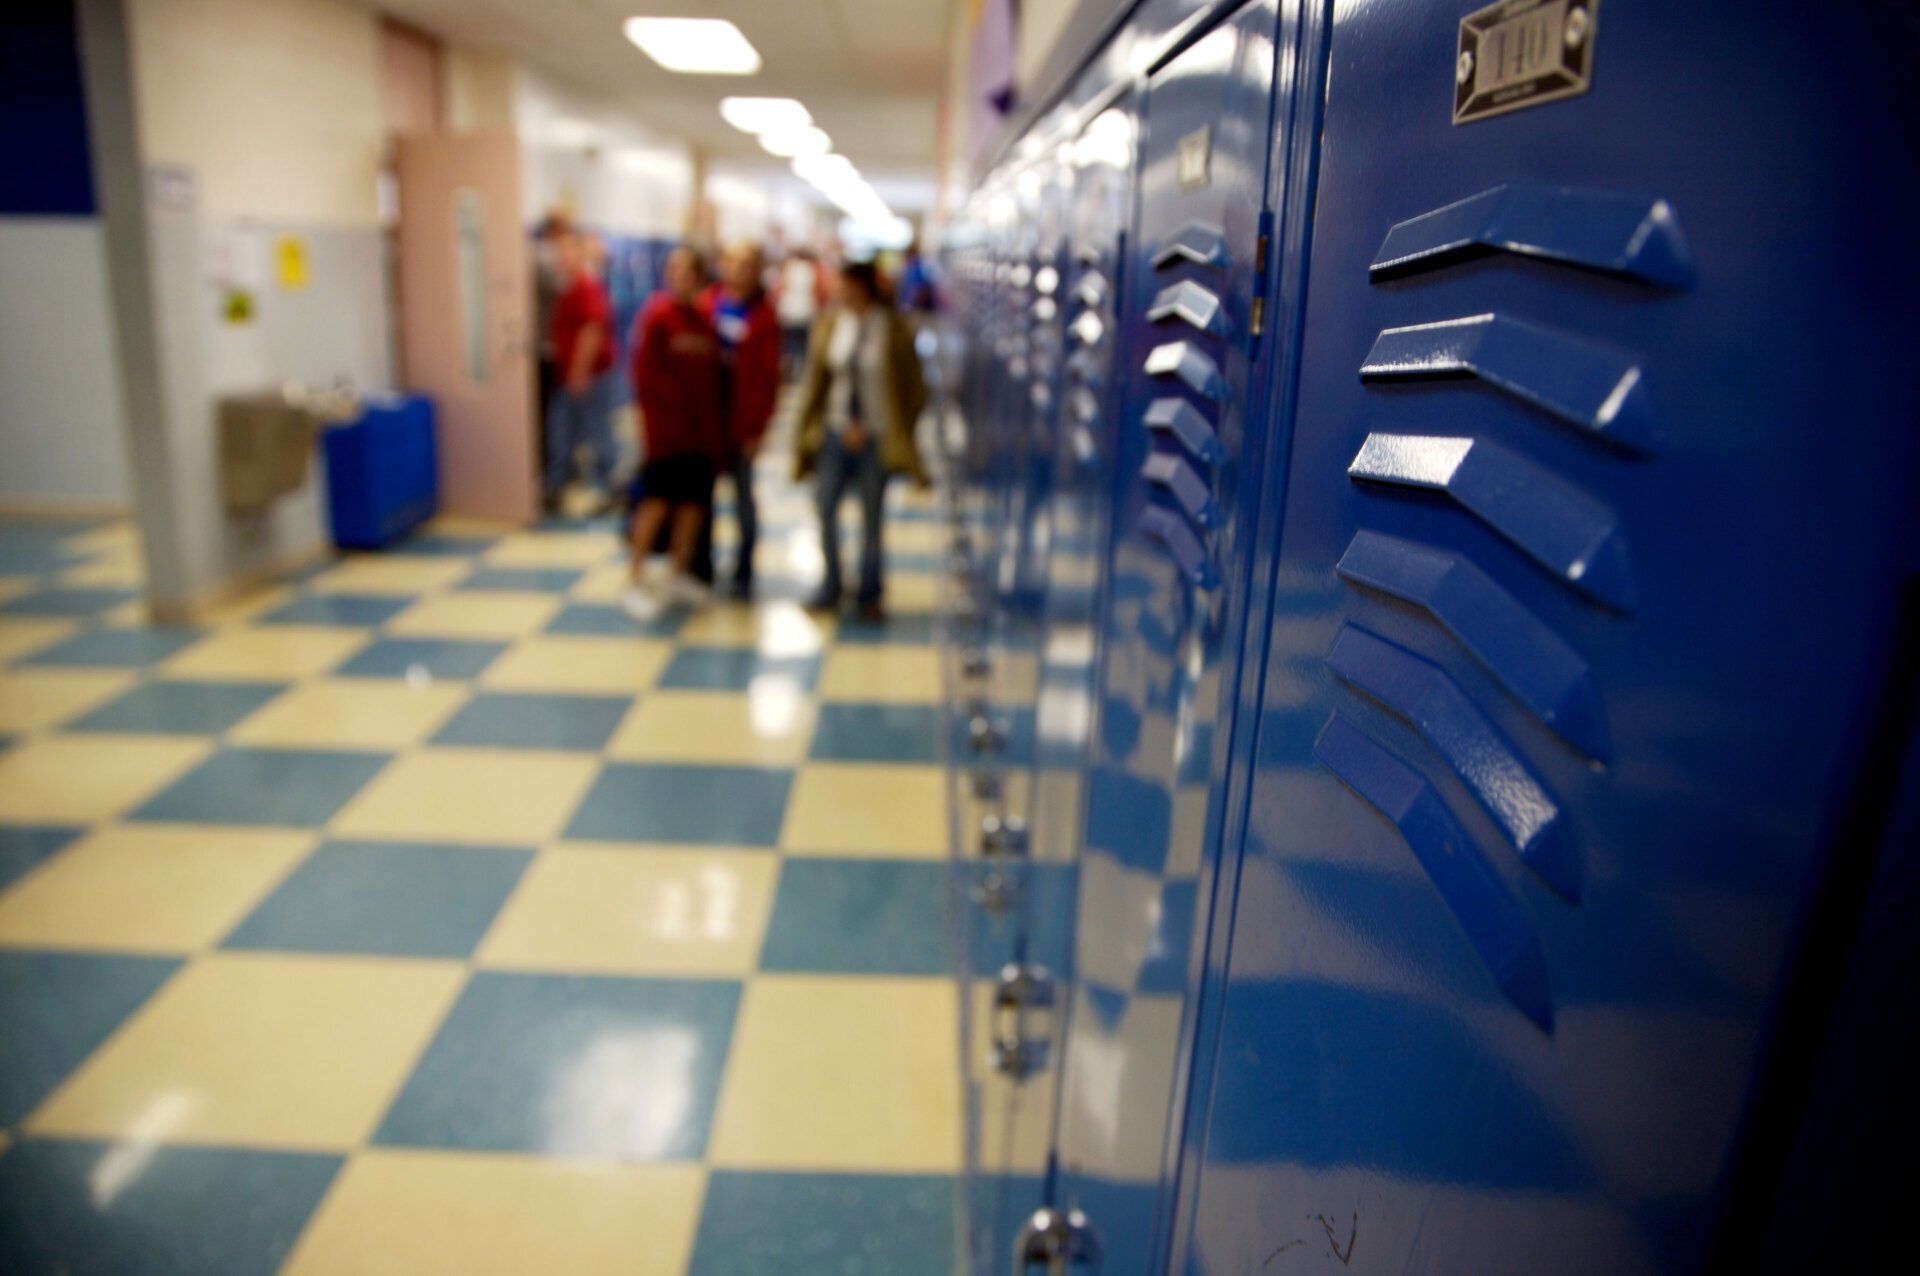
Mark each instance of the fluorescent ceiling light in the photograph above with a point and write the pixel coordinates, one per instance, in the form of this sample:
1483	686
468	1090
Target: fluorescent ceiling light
821	169
764	114
789	143
694	46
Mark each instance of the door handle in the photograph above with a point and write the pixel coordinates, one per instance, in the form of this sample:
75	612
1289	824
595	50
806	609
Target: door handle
1020	993
1003	836
997	893
1062	1240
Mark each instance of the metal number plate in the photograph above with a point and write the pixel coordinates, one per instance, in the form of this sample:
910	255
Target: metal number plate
1196	159
1522	53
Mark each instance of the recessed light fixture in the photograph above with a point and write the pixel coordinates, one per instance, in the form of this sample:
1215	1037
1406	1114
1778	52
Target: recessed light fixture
789	143
764	114
695	46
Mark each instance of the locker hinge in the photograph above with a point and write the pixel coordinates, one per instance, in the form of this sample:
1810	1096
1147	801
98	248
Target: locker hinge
1261	247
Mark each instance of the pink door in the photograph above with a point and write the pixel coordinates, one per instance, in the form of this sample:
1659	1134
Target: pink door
466	296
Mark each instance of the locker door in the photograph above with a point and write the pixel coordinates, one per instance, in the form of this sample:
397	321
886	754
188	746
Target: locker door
1024	883
1016	928
1175	576
1584	623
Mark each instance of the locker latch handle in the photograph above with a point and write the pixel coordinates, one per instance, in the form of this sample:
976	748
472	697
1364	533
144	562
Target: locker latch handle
1021	993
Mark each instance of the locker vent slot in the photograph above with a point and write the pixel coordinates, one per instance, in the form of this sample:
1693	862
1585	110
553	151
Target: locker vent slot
1179	419
1191	366
1088	330
1557	525
1189	555
1527	658
1195	242
1492	918
1624	234
1585	385
1170	471
1421	692
1193	305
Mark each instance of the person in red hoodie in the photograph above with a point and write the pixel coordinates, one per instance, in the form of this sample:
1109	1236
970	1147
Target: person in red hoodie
581	409
749	334
678	384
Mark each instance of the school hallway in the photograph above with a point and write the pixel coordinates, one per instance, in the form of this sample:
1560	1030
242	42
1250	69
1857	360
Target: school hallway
422	915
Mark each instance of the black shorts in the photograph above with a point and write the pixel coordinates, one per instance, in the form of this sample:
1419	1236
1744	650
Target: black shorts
677	480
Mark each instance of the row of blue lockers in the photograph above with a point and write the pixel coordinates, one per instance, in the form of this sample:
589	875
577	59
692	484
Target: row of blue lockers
1434	642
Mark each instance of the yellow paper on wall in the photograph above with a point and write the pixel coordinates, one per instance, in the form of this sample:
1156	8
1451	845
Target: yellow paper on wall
290	262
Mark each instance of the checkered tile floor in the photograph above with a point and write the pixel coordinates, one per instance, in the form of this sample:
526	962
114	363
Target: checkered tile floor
423	916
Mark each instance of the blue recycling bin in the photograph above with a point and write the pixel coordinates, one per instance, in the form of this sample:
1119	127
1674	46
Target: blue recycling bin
382	472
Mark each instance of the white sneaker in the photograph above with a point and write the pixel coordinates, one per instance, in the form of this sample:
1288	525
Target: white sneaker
689	592
641	605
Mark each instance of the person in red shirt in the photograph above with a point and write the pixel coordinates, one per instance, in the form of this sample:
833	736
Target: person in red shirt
749	334
581	409
678	384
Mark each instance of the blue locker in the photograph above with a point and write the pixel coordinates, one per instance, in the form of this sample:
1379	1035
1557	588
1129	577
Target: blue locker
1168	624
1446	591
1585	638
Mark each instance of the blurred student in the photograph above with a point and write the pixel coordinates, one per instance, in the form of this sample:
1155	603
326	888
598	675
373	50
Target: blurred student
549	281
918	291
797	298
749	335
677	382
863	395
581	410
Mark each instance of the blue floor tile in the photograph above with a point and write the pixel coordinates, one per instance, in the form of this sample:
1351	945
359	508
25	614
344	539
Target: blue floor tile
619	1069
179	708
433	657
68	602
542	580
439	546
360	611
721	805
899	626
56	1008
36	548
731	669
762	1224
21	848
605	620
877	733
589	523
115	648
385	899
90	1207
503	721
297	788
860	917
1043	891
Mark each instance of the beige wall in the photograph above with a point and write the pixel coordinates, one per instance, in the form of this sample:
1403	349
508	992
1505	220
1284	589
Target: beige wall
274	104
598	160
479	88
1036	30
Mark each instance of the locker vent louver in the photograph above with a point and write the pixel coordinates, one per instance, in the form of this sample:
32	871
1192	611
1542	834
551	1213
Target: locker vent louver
1560	527
1084	381
1185	448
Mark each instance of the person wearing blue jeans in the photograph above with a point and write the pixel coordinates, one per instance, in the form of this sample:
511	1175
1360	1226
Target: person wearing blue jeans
862	396
576	417
581	409
838	470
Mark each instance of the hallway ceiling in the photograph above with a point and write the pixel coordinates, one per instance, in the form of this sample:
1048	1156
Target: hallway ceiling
869	70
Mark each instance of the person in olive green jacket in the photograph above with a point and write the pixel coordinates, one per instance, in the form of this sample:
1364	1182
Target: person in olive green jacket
862	396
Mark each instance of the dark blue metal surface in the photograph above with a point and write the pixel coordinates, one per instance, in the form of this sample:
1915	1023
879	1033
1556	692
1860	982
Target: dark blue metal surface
1167	631
1382	1087
1436	885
